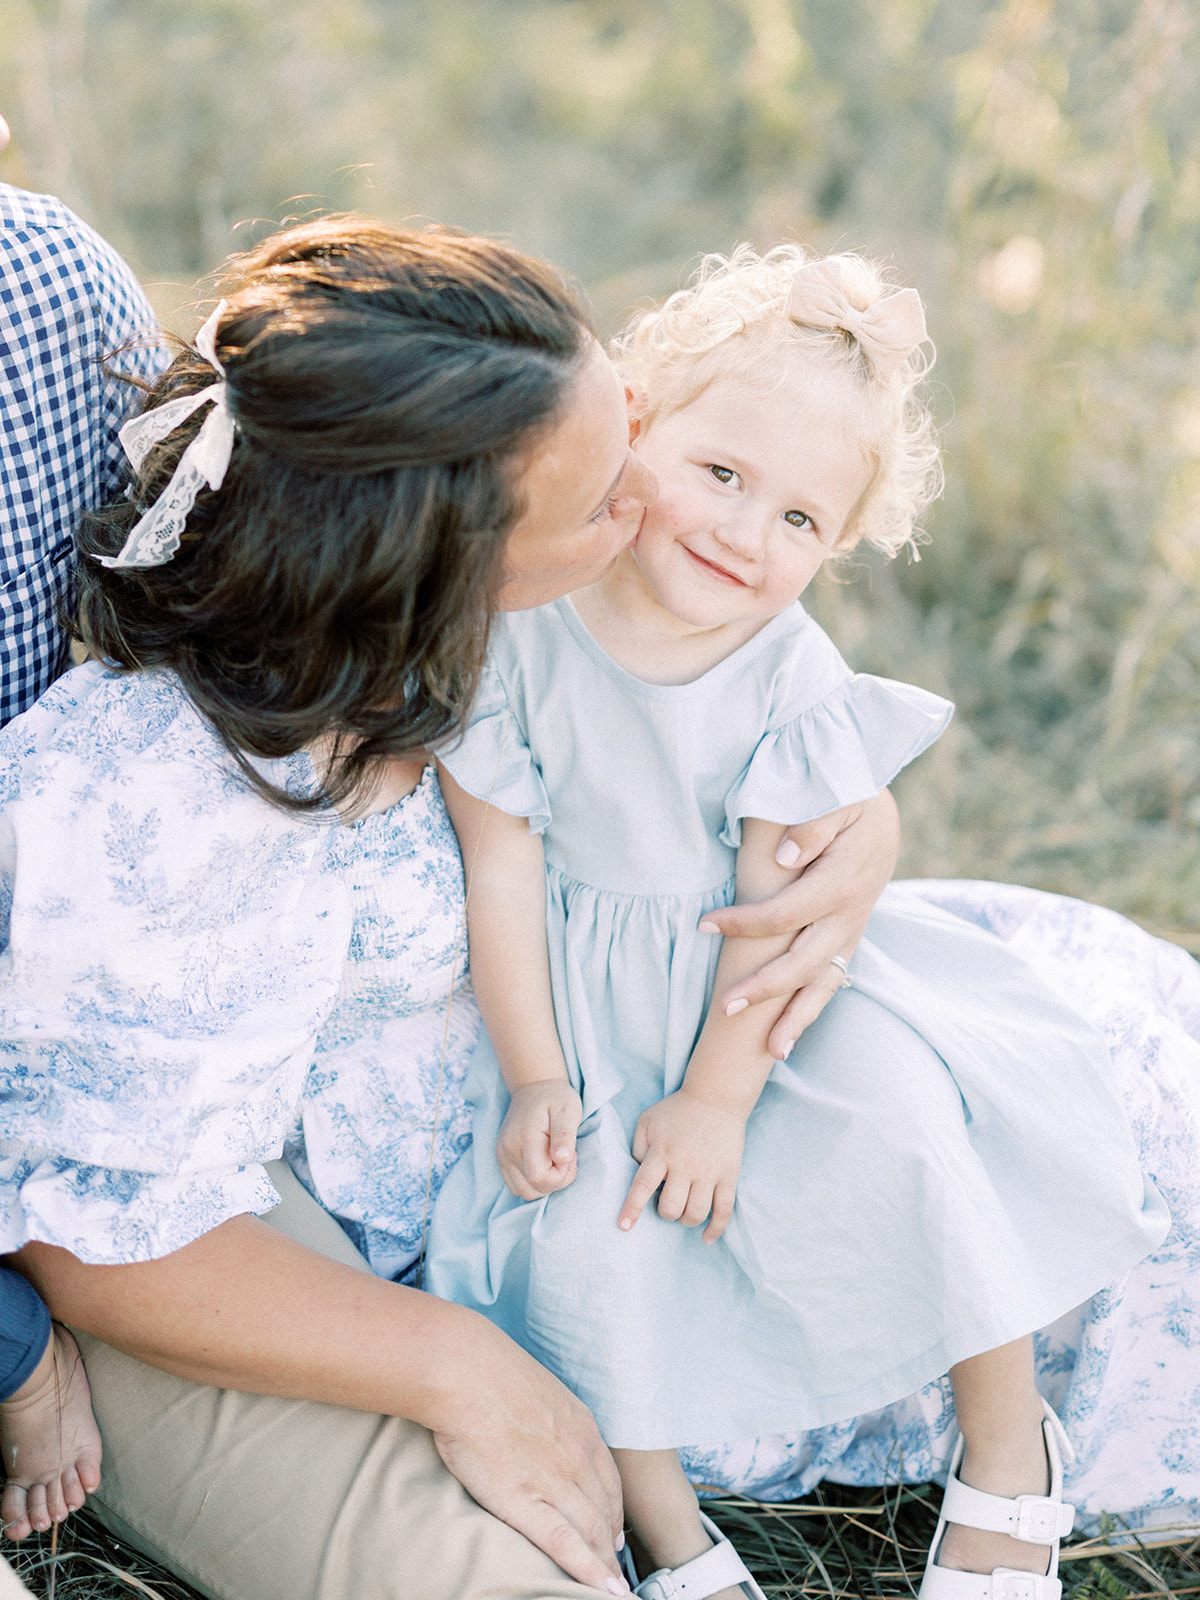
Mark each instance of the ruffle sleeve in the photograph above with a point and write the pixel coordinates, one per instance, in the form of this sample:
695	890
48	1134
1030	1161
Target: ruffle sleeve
492	760
104	1215
844	749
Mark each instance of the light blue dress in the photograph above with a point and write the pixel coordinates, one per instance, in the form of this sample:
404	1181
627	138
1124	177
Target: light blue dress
909	1196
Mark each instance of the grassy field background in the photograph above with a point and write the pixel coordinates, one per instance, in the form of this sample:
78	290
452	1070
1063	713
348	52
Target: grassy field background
1034	167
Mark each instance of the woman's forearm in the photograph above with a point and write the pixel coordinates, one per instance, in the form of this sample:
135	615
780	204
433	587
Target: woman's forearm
247	1308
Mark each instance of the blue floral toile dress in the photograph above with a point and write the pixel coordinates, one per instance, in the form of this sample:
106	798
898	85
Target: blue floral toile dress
191	979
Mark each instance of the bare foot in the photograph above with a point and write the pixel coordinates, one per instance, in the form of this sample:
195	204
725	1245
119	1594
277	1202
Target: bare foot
977	1550
50	1441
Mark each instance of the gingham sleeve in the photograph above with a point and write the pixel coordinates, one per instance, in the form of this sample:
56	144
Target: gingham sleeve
67	301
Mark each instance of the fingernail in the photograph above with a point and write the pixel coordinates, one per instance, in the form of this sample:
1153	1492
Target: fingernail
788	853
787	1049
620	1544
734	1006
624	1224
617	1586
562	1155
708	927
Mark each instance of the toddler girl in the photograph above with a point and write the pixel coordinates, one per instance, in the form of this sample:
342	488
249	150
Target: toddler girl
942	1166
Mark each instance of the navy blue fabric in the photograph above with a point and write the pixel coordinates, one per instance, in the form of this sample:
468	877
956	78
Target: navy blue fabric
24	1331
67	301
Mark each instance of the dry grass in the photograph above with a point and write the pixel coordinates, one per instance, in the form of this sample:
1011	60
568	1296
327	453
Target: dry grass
838	1544
89	1564
860	1544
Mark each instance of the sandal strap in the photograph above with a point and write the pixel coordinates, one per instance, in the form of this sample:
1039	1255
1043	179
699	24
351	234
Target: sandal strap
1005	1583
717	1569
1033	1518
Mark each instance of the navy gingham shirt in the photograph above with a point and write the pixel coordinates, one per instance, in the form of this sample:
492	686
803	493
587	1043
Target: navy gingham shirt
67	301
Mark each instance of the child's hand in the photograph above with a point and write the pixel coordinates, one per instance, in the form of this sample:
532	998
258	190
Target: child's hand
695	1151
536	1147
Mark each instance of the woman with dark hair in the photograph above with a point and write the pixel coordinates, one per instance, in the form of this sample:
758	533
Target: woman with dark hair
219	855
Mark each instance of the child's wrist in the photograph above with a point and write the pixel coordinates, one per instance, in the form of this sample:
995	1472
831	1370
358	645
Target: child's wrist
734	1101
534	1077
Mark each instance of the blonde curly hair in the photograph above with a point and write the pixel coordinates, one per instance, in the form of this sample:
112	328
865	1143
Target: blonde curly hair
737	319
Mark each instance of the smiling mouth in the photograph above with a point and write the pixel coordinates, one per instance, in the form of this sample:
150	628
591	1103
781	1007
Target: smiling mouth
716	571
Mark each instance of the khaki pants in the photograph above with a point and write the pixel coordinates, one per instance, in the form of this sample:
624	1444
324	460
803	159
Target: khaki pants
248	1497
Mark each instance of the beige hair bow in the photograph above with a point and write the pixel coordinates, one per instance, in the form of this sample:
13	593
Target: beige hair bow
155	537
888	332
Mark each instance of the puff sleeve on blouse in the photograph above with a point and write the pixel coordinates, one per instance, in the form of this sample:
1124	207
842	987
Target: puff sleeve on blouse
171	944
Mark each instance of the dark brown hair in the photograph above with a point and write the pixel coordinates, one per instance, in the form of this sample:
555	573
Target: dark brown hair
384	383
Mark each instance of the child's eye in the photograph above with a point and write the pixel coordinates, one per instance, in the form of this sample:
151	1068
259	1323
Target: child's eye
606	510
723	474
798	519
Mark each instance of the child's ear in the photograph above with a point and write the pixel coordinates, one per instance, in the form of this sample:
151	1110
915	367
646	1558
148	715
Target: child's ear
635	405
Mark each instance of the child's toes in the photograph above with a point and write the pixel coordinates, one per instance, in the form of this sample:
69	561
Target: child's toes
14	1512
35	1508
56	1504
73	1493
88	1468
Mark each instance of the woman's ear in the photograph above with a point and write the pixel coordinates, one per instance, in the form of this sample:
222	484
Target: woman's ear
635	404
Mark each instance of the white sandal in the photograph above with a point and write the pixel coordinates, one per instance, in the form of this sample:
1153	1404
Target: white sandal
717	1569
1035	1518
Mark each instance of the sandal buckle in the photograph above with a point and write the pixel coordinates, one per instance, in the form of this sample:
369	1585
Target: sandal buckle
658	1586
1039	1520
1015	1586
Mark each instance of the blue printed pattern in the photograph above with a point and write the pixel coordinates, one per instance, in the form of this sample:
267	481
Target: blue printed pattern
67	301
180	955
387	1080
173	946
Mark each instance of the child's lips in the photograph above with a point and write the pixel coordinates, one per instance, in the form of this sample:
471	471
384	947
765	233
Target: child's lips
716	570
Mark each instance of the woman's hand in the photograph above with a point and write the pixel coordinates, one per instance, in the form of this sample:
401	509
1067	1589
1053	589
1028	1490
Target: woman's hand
528	1451
536	1147
694	1150
846	860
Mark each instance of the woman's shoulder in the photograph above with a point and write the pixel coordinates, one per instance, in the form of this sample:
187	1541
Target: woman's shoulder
100	731
113	783
100	711
134	855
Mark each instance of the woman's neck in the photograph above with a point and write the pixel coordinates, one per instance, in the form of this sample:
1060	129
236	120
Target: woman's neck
629	623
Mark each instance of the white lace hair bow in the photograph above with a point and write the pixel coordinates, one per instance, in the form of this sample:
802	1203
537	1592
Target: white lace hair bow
154	538
888	332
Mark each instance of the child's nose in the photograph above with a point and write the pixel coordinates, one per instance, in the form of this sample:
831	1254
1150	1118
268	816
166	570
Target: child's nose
743	532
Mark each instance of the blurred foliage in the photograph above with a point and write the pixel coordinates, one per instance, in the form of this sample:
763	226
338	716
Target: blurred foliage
1033	167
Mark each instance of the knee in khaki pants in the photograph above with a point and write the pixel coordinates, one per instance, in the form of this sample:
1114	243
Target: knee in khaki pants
248	1497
